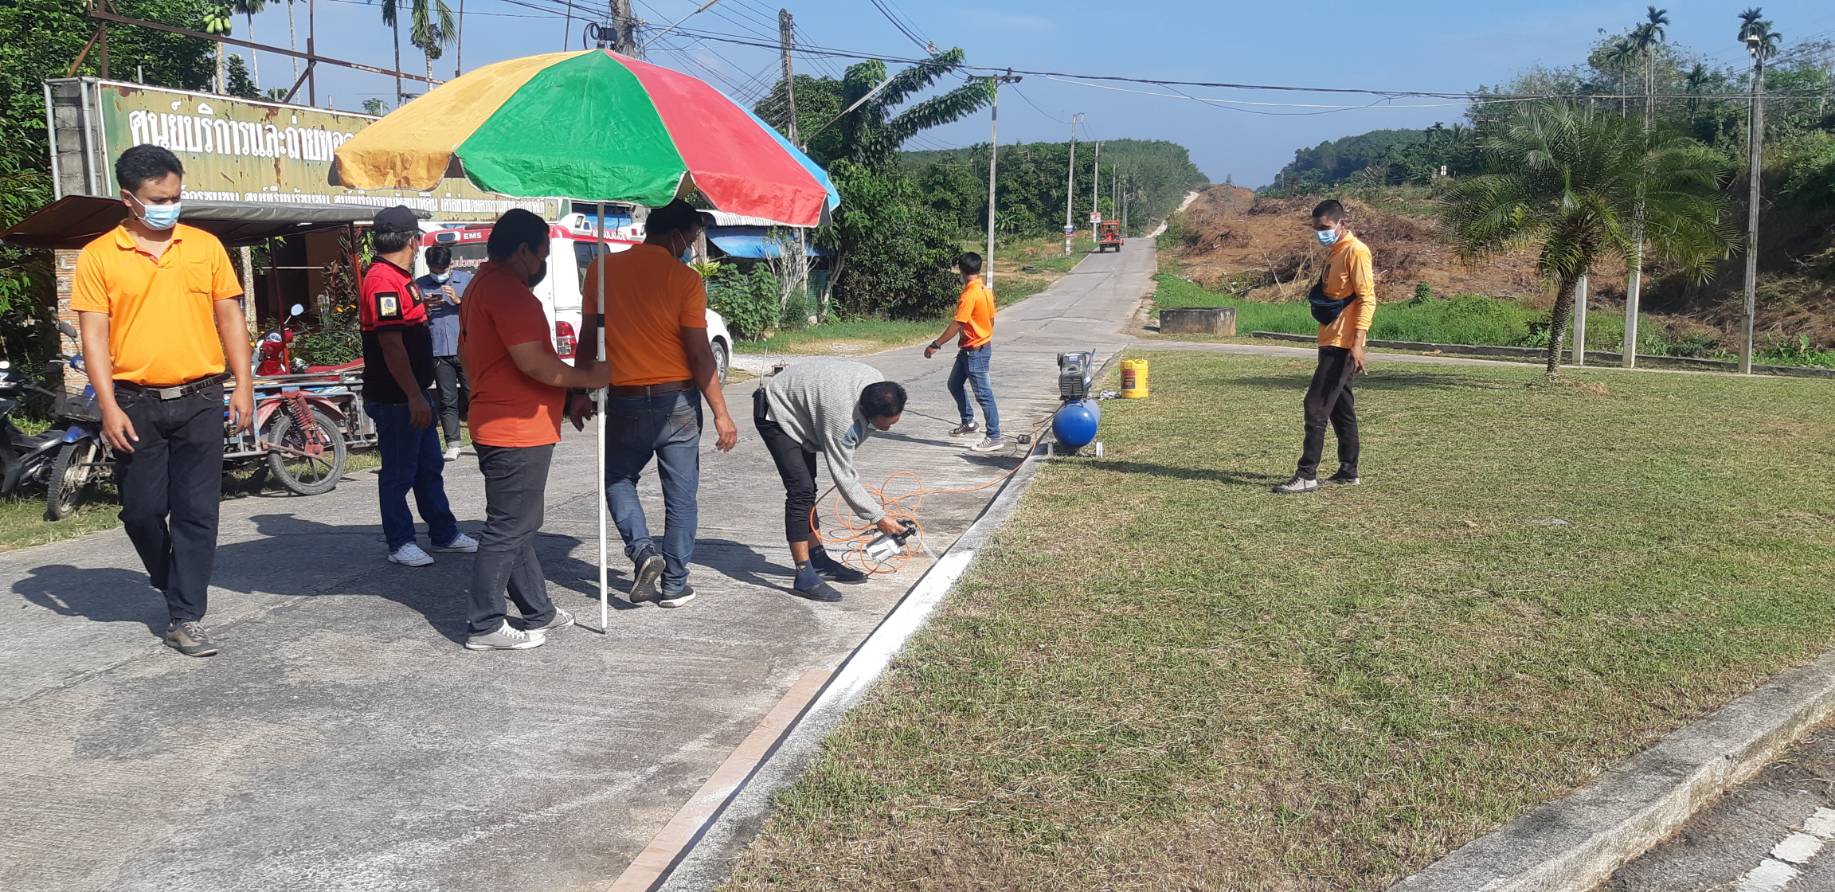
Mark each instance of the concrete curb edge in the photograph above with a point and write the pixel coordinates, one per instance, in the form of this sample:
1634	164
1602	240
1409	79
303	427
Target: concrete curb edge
706	861
1577	842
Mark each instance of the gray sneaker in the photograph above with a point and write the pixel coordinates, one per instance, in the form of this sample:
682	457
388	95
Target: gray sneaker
965	429
989	444
507	637
191	639
1297	485
677	599
562	619
649	568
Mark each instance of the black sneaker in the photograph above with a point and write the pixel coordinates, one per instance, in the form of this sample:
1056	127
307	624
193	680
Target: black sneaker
965	429
675	599
1344	477
809	584
1296	485
190	639
645	571
834	570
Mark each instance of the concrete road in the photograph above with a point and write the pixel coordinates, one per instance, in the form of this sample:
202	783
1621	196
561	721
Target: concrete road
344	740
1769	835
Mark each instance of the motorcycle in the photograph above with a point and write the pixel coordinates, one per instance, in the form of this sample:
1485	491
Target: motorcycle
83	459
26	460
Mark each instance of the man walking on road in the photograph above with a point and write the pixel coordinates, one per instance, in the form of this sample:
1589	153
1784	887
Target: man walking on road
662	367
443	291
397	373
829	406
516	420
162	329
1344	303
974	324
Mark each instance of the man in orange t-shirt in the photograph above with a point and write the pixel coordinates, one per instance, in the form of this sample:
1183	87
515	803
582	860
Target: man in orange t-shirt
1348	291
518	387
662	368
974	323
162	330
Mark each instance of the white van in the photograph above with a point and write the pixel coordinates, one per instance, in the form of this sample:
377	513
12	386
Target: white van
571	247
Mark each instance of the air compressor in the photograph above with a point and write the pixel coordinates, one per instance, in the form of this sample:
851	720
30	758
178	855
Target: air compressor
1078	418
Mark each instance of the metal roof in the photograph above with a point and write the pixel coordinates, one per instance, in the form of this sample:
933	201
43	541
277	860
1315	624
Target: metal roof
76	220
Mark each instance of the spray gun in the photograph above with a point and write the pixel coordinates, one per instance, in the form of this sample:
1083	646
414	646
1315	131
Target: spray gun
885	546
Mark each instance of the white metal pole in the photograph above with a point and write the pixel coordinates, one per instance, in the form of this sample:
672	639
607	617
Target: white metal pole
604	396
1755	139
1580	321
993	170
1070	184
1095	187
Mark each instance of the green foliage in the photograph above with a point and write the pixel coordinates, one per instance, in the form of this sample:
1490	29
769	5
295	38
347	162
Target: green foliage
43	37
1807	164
338	338
1383	157
1422	293
1032	180
748	301
238	81
1569	177
375	106
893	253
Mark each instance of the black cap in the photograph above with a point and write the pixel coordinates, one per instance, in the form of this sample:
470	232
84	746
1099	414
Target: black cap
397	219
676	216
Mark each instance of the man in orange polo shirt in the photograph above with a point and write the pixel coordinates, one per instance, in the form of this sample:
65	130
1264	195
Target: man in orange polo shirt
518	387
1344	304
662	368
162	330
974	324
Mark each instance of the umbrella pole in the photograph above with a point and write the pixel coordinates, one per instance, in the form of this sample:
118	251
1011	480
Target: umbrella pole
604	394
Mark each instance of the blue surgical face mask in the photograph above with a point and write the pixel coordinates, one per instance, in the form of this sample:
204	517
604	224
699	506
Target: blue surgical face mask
1327	237
158	217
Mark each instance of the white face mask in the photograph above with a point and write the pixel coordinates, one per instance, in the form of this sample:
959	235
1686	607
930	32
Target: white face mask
442	278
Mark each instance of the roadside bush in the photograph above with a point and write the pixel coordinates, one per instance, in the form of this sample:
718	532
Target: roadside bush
748	301
892	253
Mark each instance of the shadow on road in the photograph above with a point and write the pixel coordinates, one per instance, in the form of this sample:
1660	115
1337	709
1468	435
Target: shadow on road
107	595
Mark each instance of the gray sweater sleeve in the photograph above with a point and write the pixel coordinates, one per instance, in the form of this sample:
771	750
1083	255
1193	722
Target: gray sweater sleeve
840	458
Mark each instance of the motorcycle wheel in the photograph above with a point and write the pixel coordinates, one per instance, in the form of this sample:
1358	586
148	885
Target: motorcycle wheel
306	475
70	478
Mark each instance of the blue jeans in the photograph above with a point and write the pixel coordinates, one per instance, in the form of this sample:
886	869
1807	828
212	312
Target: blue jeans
667	426
411	460
972	366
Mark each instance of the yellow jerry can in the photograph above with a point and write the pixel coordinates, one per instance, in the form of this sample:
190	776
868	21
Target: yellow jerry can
1134	379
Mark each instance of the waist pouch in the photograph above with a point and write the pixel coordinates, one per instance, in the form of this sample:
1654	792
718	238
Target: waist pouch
1326	309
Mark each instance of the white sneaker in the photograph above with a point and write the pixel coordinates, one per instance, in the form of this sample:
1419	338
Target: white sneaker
562	619
989	444
462	545
507	637
452	453
411	555
1296	485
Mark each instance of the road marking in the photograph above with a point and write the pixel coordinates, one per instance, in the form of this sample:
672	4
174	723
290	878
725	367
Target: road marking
1776	873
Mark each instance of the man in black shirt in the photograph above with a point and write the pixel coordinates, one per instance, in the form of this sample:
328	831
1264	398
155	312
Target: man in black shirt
397	371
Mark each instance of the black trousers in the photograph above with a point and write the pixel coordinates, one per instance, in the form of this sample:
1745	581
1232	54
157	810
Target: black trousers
515	494
796	466
171	485
1329	400
451	396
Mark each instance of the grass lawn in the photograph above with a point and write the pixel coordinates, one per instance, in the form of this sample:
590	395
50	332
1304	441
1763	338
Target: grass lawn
1161	676
1022	270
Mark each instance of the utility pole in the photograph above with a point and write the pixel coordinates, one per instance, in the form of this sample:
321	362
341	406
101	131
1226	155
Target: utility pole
624	28
1095	183
799	265
458	53
1580	320
994	168
1070	183
1755	139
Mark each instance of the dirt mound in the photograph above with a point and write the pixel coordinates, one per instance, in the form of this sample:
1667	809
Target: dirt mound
1232	239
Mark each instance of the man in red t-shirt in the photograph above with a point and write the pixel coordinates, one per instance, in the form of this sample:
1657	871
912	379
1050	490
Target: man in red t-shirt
518	386
397	371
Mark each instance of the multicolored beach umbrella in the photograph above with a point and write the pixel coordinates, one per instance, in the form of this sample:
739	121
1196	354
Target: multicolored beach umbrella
591	126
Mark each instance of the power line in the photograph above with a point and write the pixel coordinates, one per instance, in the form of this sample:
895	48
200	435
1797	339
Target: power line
1036	108
902	28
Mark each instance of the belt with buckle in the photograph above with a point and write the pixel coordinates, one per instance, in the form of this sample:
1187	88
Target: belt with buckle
175	391
650	390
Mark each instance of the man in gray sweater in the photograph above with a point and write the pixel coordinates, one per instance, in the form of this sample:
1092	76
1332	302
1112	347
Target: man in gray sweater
828	406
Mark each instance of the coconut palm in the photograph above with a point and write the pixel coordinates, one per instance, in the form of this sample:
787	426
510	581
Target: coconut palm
1748	19
248	8
1570	179
1619	57
432	30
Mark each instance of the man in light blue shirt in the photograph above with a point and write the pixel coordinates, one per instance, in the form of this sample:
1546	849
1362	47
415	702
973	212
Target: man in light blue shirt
443	290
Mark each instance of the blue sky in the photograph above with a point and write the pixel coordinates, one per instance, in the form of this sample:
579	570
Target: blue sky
1397	45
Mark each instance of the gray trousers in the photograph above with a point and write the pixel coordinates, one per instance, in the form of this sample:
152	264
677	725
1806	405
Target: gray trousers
515	485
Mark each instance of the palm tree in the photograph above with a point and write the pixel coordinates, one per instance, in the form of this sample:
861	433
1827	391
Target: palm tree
248	8
292	38
390	18
1693	82
1619	57
219	19
1748	19
1769	40
432	30
1648	36
1570	179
